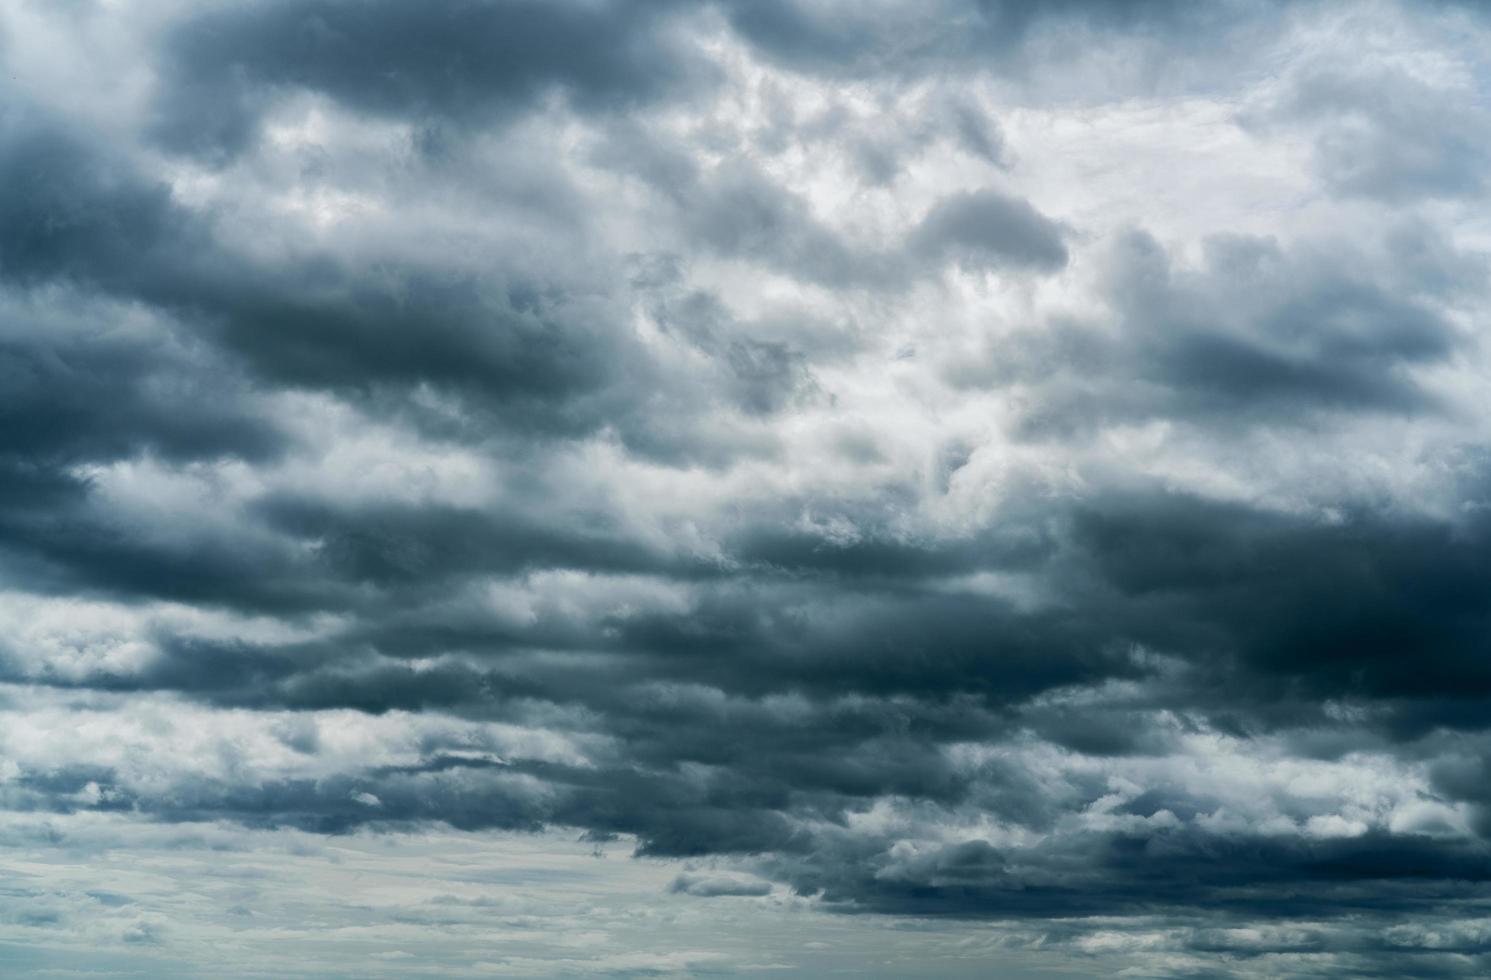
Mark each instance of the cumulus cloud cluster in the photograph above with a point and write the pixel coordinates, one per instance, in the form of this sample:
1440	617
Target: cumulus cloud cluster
1011	463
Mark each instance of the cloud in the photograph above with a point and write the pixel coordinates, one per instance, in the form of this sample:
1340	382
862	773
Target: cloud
1006	477
460	62
1257	334
1388	134
718	887
986	228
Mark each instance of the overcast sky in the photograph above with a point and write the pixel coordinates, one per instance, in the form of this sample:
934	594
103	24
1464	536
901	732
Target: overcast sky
883	488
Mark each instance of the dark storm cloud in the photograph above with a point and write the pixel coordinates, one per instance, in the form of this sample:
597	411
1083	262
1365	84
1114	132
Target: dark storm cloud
1257	335
890	685
1464	773
72	390
1284	608
511	350
503	350
464	62
73	545
851	38
85	380
1274	612
1330	604
81	215
290	555
1115	873
1279	608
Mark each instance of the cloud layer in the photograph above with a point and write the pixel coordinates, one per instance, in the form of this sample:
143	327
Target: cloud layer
1008	470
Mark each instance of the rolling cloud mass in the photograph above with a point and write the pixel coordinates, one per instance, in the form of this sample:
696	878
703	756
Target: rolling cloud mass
955	488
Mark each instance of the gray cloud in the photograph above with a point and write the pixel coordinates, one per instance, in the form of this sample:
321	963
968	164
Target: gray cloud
512	417
460	62
1390	136
706	887
986	228
1257	334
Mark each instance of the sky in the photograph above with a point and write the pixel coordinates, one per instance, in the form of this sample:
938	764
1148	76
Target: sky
788	488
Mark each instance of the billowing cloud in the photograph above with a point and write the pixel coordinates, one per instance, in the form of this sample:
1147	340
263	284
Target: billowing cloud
970	488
